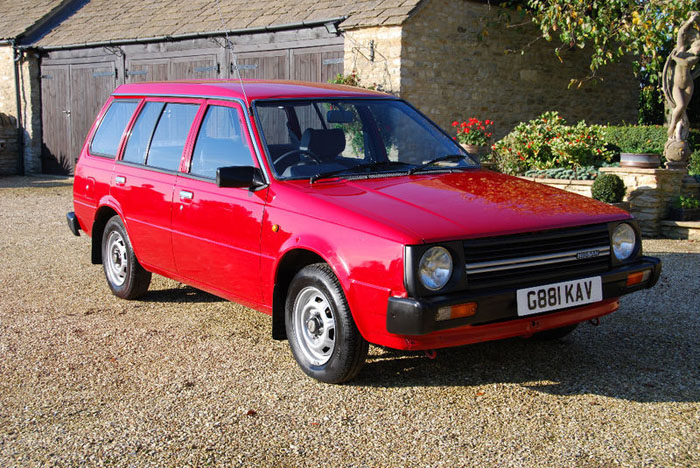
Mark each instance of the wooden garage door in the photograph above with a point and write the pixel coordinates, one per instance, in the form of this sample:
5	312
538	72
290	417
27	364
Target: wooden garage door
263	65
317	64
71	97
55	120
196	67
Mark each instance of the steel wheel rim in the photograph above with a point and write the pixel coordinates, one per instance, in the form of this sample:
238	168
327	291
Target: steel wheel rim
117	260
314	325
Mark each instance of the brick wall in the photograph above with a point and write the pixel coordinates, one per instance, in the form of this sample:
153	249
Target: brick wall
449	74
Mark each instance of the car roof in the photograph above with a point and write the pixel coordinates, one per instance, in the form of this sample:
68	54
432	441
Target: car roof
254	89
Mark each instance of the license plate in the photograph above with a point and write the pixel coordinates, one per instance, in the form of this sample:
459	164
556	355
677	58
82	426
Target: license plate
559	295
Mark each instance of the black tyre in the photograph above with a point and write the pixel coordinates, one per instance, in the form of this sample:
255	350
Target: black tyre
125	275
322	333
555	333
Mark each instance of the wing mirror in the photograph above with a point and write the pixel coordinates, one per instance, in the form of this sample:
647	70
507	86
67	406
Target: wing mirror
240	176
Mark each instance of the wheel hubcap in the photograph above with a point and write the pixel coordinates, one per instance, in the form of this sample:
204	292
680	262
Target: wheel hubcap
117	260
314	322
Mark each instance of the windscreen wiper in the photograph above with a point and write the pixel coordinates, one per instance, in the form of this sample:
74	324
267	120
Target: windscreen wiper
360	167
448	158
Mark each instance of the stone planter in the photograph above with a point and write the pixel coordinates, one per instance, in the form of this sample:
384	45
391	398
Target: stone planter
642	160
684	214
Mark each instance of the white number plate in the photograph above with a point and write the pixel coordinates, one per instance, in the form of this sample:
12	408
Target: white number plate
559	295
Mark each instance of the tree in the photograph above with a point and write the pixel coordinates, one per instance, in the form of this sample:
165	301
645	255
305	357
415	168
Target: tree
610	29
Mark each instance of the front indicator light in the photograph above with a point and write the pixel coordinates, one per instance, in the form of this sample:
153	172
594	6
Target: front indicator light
456	311
634	279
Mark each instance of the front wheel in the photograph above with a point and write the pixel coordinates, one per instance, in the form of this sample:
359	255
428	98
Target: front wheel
125	275
322	334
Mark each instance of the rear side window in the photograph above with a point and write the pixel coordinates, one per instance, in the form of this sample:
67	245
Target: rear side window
170	136
220	143
106	140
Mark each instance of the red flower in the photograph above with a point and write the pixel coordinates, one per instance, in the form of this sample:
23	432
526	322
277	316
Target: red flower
455	123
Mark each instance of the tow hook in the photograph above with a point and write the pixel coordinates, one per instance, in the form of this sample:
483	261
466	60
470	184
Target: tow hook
430	353
595	322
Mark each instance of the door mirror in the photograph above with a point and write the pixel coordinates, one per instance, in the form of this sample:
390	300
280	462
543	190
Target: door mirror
239	176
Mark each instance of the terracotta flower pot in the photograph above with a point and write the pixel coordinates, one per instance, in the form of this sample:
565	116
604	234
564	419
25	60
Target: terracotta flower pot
475	149
641	160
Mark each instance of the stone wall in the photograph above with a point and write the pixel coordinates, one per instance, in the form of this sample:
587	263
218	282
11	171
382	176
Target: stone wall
30	84
375	54
650	192
448	73
581	187
8	145
31	109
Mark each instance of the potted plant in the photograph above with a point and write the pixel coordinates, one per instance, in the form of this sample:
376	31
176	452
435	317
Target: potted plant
474	135
609	188
685	209
639	145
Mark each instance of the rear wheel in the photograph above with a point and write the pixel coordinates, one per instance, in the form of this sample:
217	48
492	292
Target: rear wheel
322	334
555	333
125	275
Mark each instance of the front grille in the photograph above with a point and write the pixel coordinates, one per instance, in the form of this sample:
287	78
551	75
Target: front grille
524	260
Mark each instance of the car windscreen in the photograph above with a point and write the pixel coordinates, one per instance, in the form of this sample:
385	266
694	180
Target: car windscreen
311	137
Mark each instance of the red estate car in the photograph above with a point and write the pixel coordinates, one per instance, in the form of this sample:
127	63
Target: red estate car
345	214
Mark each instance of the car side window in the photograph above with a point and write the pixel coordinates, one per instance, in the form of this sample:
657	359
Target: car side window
220	143
107	137
141	134
170	136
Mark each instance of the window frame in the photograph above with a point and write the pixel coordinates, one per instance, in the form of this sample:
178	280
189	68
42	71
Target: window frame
187	149
199	121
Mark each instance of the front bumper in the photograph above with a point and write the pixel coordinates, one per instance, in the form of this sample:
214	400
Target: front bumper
413	317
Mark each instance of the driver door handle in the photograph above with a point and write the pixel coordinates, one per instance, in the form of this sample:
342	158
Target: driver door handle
186	195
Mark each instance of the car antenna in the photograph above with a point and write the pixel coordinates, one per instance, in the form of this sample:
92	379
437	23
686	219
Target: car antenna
229	47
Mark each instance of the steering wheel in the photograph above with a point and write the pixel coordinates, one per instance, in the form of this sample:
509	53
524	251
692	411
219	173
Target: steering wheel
306	153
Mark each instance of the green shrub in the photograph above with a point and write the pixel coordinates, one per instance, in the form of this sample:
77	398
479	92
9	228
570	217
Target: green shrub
688	203
636	138
547	142
694	163
608	188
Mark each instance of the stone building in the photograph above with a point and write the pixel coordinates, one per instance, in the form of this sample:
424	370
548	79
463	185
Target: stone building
434	53
20	118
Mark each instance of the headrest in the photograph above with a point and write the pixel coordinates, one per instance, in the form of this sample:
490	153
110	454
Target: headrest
326	144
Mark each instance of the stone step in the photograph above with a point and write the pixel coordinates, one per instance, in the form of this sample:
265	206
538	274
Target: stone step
681	229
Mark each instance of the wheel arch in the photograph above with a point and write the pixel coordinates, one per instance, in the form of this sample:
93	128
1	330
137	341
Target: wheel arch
103	214
288	266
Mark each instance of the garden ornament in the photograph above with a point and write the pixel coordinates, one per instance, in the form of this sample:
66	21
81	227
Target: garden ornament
678	75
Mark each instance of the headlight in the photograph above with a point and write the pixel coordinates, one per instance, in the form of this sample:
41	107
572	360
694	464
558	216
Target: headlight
435	268
624	241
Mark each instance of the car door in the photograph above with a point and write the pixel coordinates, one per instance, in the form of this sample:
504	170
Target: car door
216	230
144	177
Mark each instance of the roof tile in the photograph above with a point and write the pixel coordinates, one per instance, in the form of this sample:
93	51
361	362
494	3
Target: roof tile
102	20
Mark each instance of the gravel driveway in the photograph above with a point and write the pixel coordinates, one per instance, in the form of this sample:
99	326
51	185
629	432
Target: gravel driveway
182	378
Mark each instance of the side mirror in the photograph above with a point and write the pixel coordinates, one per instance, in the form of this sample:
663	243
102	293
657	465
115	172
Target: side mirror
239	176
